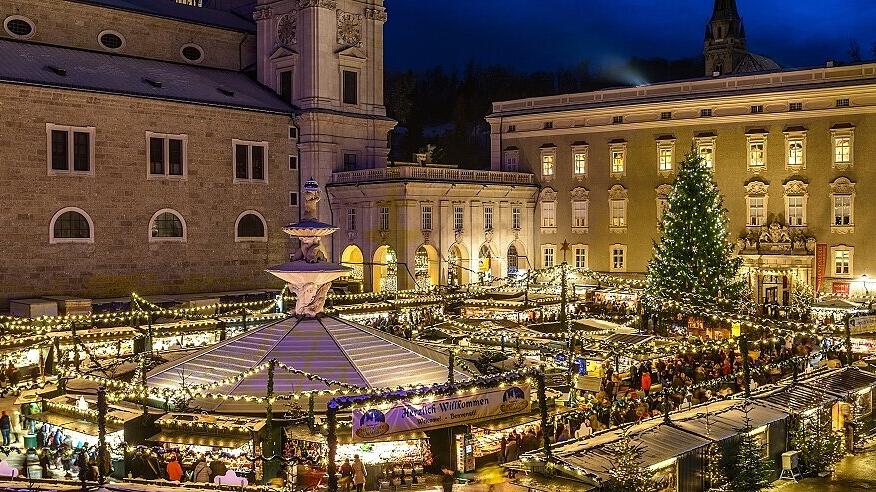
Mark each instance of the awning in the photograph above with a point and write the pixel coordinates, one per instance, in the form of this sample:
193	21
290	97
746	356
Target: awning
345	435
725	418
74	424
517	420
794	399
841	381
211	441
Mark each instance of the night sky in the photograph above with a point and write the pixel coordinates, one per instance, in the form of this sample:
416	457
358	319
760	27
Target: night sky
550	34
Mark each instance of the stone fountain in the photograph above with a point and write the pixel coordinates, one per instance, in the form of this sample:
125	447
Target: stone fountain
308	273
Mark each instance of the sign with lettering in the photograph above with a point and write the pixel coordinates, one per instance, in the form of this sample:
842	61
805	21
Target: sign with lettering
406	416
862	324
841	288
820	264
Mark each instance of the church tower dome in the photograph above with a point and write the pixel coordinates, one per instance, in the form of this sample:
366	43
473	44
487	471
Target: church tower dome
725	38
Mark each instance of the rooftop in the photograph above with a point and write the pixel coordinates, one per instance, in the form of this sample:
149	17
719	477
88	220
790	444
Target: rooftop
237	20
54	66
416	172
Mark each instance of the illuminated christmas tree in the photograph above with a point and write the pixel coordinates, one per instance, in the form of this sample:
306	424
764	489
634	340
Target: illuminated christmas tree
627	474
750	468
820	446
693	259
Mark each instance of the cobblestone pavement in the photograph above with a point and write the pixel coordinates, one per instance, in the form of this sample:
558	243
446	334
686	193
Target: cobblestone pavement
853	473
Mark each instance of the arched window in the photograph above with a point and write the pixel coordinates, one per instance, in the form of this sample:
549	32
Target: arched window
512	260
250	226
167	225
71	225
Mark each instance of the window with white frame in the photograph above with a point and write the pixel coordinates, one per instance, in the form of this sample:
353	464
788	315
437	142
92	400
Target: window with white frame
843	144
548	254
488	217
618	258
383	218
548	214
618	213
581	256
706	150
426	217
351	219
756	151
166	155
795	149
250	227
618	157
548	158
71	225
580	153
842	257
250	161
580	219
515	218
457	218
70	149
167	225
756	210
511	159
843	205
796	198
665	155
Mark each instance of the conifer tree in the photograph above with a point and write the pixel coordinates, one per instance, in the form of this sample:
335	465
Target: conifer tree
749	469
693	259
820	446
627	473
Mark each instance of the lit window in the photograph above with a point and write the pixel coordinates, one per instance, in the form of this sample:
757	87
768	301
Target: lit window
250	227
167	225
71	225
549	214
756	210
511	159
842	103
249	161
488	218
426	218
618	159
618	258
757	109
665	151
515	218
843	147
547	164
796	210
383	218
166	154
457	218
579	214
351	219
547	255
579	161
618	213
842	261
842	210
796	148
580	255
71	149
707	152
756	151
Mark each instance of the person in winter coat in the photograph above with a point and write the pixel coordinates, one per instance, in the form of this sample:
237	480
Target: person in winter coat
202	471
346	475
359	473
152	468
217	468
174	470
5	428
646	382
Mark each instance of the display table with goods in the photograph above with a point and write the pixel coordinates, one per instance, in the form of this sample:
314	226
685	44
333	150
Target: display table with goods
235	441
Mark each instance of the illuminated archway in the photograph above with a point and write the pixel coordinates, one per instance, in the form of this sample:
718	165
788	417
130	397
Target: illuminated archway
385	270
457	265
426	267
485	262
515	258
352	258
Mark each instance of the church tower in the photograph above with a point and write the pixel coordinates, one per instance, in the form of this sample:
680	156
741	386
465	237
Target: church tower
725	39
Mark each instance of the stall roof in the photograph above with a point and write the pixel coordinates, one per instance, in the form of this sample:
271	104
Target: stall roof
840	381
722	419
72	423
533	417
302	433
190	439
793	398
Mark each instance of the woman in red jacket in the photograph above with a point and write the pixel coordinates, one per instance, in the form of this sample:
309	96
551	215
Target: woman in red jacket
174	470
646	382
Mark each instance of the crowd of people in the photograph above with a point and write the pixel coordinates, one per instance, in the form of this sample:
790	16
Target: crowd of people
149	465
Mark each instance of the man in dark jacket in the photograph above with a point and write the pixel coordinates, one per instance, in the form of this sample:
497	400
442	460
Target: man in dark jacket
217	468
5	428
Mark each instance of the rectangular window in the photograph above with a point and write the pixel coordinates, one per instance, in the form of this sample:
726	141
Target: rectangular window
426	217
617	161
293	132
293	162
842	103
795	106
549	214
617	120
547	165
757	109
842	210
70	149
795	152
250	161
548	125
579	160
457	218
664	159
548	256
166	154
580	256
707	152
515	218
488	218
796	215
618	213
383	218
841	262
756	154
293	198
579	214
705	112
756	211
351	87
618	258
350	162
511	158
666	115
286	85
842	150
512	128
351	219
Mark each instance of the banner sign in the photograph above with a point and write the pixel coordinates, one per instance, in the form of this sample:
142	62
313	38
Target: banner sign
862	324
405	416
820	264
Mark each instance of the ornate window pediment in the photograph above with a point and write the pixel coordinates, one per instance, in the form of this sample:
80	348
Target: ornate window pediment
796	202
662	192
757	188
580	193
617	209
842	138
547	195
842	186
842	197
617	192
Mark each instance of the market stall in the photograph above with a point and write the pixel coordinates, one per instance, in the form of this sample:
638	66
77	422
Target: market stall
233	440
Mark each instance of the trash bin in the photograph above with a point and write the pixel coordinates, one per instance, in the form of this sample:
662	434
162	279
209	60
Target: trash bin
30	441
32	464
